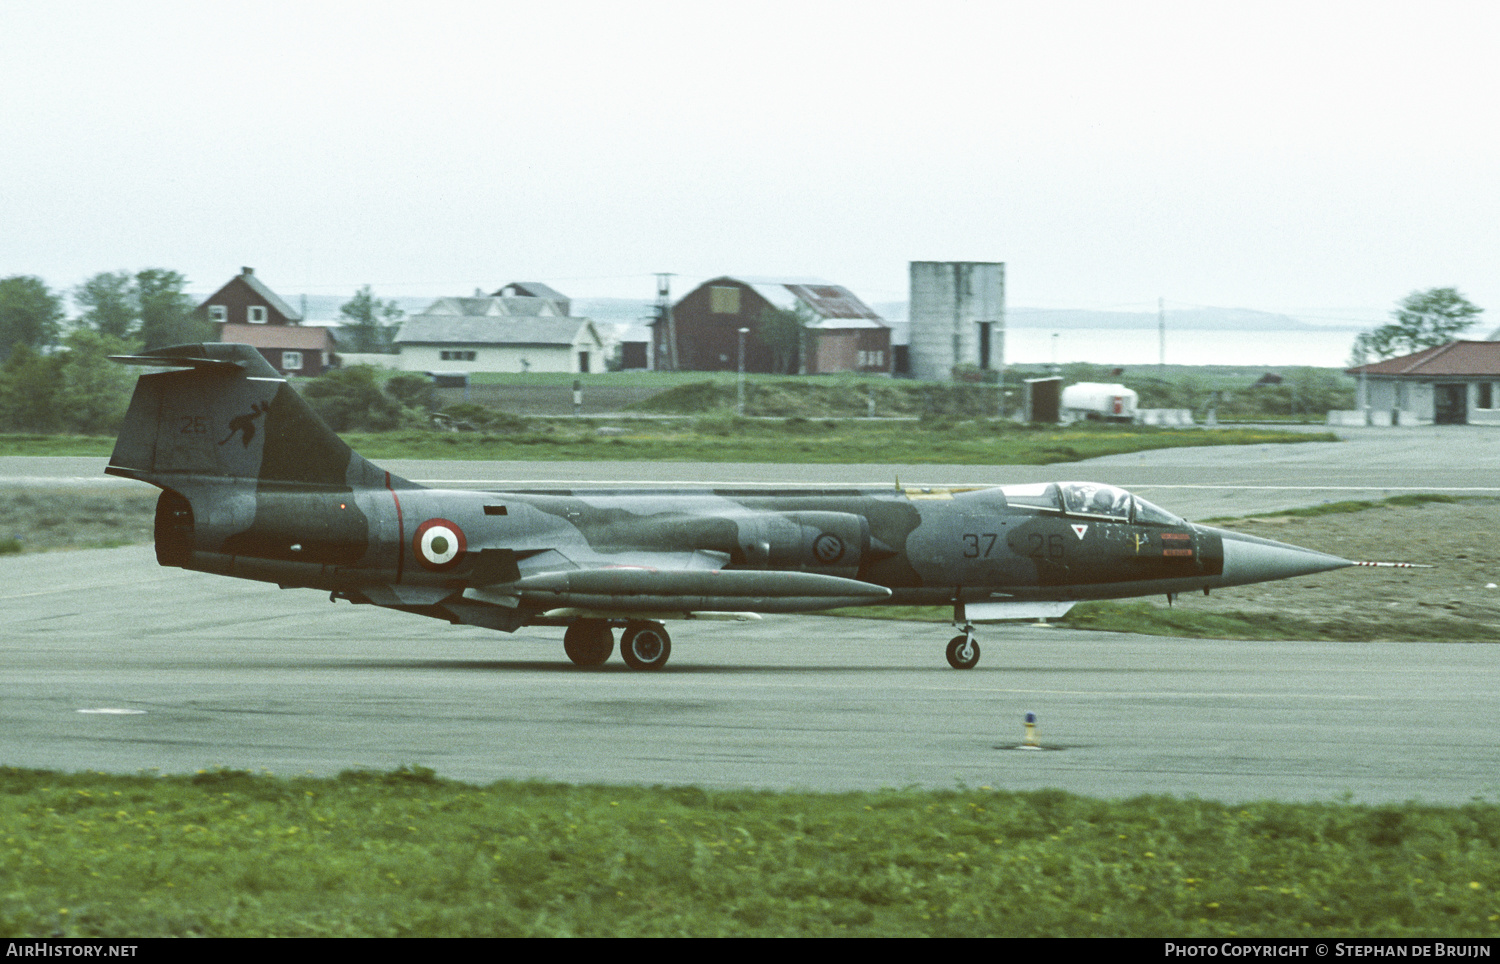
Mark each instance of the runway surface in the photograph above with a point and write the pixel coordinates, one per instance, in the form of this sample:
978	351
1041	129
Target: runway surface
113	663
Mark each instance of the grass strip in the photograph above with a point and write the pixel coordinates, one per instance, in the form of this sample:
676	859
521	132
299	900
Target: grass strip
404	853
1344	507
1149	619
792	441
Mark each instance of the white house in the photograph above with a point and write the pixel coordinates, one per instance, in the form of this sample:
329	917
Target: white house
499	333
1453	384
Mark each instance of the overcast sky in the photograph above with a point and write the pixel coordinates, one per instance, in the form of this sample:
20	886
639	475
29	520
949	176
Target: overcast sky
1322	159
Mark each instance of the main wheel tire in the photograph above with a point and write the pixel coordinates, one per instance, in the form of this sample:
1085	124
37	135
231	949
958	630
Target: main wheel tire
588	642
963	653
645	646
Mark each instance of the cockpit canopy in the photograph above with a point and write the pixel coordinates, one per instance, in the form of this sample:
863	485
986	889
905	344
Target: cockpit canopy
1089	499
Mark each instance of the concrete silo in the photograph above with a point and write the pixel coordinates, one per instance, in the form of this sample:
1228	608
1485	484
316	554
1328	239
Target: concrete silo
957	314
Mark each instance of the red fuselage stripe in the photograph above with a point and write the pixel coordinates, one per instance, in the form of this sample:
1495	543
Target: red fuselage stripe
400	529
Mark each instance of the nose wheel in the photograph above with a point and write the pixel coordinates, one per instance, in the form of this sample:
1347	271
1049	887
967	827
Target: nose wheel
963	651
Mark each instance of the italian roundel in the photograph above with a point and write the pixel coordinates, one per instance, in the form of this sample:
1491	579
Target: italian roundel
439	544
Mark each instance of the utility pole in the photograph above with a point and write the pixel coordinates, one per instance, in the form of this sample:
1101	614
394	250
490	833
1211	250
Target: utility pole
1161	336
740	405
664	315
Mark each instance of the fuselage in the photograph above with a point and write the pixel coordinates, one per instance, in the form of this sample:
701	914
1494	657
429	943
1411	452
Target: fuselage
1068	541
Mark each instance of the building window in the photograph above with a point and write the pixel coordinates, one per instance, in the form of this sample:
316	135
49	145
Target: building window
291	361
723	300
218	313
257	315
458	355
1486	395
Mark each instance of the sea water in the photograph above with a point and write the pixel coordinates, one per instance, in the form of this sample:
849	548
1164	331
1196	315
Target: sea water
1134	347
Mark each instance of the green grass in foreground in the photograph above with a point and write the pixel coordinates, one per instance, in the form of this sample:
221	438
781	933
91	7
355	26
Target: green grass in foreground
227	853
793	441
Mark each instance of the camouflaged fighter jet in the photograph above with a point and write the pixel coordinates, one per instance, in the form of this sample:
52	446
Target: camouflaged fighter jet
254	485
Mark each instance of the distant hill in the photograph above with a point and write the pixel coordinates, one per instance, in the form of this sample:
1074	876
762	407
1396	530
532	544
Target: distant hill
1198	319
324	309
624	311
635	311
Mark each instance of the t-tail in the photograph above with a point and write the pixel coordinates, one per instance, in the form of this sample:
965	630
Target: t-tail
254	483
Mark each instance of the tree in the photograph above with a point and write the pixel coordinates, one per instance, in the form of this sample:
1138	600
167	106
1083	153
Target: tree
413	390
110	304
1423	319
93	392
372	323
29	314
350	399
167	316
28	391
780	330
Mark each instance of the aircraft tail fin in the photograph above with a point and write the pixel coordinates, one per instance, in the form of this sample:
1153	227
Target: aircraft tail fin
224	413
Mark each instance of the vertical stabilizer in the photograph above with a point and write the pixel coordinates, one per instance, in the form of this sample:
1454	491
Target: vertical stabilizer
226	414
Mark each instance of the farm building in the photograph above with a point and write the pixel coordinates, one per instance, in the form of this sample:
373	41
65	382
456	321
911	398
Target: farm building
957	311
500	333
246	311
840	333
1453	384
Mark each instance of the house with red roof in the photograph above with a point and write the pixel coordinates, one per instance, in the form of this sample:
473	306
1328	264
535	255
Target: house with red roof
247	312
1453	384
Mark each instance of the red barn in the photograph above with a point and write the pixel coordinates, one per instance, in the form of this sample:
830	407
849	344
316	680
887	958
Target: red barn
840	334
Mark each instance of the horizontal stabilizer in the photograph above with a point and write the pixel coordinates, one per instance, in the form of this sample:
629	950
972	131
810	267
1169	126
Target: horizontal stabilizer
178	362
213	356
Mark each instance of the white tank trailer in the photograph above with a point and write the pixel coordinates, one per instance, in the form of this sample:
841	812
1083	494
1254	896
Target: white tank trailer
1097	402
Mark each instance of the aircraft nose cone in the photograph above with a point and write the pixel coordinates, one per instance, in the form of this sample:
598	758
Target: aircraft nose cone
1250	559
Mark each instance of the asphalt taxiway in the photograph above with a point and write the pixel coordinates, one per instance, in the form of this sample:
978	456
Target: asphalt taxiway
112	663
115	664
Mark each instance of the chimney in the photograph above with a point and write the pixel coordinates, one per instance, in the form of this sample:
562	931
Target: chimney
247	271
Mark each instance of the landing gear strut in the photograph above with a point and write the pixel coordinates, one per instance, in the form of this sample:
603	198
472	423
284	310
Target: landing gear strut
645	646
588	642
963	651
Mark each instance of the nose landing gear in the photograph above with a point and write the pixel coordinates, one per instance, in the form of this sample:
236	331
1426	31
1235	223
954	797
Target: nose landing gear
963	651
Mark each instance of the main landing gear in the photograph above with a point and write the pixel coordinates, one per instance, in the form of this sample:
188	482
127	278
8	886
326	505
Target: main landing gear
963	651
644	645
588	642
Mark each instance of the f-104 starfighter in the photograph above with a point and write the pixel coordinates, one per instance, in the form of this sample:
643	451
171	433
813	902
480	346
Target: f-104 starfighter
254	485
